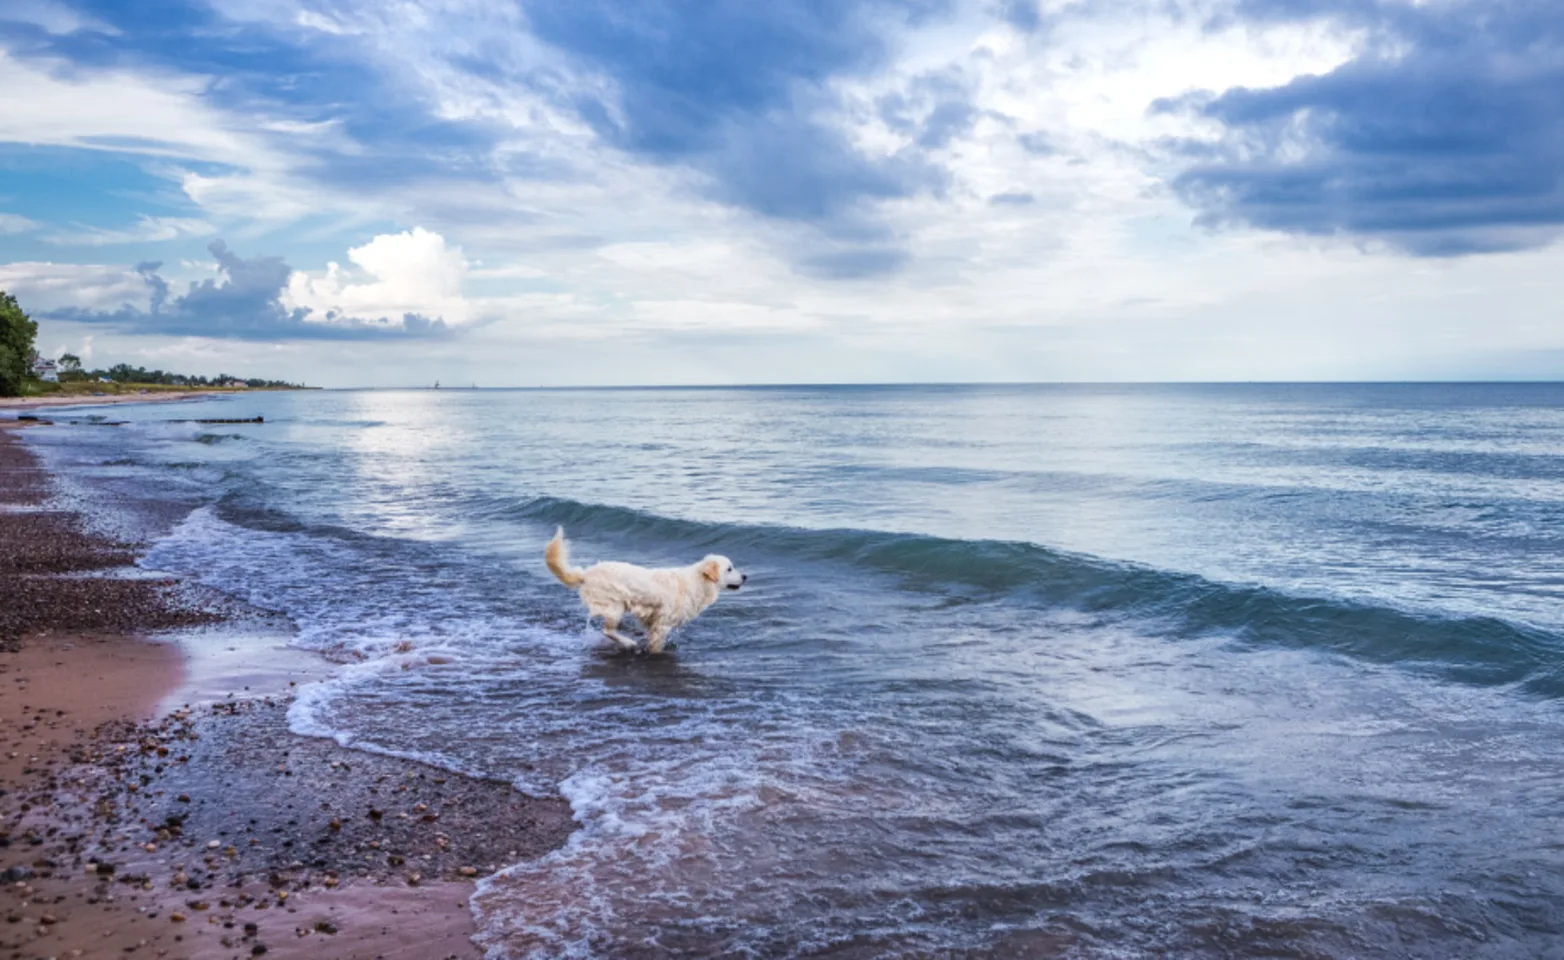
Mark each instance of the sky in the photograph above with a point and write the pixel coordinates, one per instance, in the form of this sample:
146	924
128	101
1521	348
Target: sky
579	192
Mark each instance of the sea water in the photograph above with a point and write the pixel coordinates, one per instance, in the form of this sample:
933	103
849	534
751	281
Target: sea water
1082	671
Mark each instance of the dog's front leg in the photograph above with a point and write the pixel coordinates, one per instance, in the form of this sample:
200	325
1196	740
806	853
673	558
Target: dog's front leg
611	631
624	642
656	637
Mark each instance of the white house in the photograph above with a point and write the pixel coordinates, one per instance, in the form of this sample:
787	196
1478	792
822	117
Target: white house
46	370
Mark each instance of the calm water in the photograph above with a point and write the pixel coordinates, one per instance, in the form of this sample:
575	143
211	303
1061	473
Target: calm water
1232	671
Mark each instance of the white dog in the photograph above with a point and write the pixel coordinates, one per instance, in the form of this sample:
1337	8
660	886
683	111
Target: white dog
661	599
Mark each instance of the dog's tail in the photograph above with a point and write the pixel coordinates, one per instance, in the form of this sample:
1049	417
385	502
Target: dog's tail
557	556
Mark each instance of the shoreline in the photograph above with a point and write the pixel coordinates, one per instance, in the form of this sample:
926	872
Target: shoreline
58	400
154	801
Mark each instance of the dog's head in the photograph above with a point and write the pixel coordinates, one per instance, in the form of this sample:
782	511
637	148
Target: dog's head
721	571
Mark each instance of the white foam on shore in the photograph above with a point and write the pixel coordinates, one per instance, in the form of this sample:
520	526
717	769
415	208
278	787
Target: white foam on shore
334	600
333	592
645	818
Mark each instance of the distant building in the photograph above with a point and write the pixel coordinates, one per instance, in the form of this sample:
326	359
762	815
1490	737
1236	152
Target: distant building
235	383
46	370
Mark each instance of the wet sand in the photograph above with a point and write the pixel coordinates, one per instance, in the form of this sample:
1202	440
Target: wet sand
155	804
58	578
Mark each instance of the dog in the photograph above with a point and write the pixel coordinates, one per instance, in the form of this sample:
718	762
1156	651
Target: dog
662	599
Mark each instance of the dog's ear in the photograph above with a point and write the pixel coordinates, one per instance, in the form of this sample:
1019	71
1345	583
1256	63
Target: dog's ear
711	570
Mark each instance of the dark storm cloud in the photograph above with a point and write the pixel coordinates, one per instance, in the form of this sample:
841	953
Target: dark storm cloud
1445	136
740	91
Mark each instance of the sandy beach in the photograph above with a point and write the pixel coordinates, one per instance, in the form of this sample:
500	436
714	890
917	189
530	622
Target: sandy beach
154	802
80	400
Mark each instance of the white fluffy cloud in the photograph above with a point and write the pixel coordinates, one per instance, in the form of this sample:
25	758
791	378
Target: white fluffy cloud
392	275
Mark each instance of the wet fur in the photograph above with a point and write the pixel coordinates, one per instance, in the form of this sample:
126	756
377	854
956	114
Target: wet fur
661	599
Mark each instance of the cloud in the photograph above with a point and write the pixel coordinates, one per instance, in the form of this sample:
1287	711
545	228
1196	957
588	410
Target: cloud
1443	136
147	230
51	17
793	170
1012	198
11	223
408	273
43	287
932	110
853	262
252	124
743	94
462	115
50	102
686	73
248	302
1021	14
1037	143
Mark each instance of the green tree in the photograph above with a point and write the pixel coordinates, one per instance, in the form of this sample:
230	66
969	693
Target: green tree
16	345
70	367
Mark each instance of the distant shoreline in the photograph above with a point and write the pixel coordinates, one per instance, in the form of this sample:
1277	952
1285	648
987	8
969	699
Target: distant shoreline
87	399
86	393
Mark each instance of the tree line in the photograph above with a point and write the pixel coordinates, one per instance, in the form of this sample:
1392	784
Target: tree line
18	357
70	369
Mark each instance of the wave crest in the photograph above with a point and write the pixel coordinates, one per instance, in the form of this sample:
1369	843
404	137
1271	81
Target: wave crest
1476	650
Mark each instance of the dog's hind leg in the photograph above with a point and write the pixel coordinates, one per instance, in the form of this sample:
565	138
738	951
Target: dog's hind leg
611	631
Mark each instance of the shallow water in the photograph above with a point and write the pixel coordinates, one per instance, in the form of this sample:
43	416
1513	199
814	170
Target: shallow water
1021	671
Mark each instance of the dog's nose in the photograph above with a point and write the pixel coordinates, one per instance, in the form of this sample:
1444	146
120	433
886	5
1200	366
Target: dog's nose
743	578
